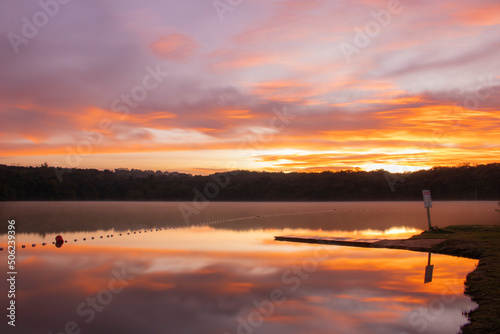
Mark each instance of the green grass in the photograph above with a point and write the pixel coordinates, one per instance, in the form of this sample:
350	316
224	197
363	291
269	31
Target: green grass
483	284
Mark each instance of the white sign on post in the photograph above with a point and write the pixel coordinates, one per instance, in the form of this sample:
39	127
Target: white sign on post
427	198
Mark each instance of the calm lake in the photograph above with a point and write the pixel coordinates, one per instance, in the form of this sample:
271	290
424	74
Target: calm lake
183	267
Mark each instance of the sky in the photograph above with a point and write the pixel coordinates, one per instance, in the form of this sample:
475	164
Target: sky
291	85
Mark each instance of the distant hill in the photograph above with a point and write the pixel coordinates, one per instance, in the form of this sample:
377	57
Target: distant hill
465	182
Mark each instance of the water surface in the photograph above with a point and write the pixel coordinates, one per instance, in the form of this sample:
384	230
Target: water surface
222	272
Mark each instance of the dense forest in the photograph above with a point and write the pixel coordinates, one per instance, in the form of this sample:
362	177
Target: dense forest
465	182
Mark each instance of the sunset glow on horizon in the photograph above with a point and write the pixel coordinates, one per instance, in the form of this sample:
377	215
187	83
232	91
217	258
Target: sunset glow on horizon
270	85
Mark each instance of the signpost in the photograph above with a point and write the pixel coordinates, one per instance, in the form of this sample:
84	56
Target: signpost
427	204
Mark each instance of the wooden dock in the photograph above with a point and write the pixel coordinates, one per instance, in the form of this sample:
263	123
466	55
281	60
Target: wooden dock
418	245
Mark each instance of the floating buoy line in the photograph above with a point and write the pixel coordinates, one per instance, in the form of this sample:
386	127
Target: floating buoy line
59	241
209	223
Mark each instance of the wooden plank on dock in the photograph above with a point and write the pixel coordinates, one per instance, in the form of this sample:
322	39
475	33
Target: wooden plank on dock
328	240
419	245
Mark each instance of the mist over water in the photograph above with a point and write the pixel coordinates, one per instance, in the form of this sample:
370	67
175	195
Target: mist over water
45	217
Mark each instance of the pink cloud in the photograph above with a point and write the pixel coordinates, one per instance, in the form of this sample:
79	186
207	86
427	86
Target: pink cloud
485	15
225	59
176	47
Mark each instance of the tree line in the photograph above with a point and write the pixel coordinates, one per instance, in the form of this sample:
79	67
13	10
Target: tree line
45	183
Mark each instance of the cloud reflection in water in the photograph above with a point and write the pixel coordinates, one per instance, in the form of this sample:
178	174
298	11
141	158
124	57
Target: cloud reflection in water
217	283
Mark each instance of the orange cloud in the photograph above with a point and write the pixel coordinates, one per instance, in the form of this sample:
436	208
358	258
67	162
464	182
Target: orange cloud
243	114
288	91
388	129
154	119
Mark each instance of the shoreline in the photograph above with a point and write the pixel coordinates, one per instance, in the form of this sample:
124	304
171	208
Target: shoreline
480	242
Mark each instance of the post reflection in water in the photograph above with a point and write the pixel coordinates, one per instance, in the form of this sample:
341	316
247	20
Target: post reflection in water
428	270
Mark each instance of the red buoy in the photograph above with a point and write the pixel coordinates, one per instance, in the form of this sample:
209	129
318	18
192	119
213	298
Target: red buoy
59	241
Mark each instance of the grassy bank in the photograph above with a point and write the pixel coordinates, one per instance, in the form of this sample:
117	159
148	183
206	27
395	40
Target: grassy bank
483	284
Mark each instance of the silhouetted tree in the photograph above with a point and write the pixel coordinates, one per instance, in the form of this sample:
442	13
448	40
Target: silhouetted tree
464	182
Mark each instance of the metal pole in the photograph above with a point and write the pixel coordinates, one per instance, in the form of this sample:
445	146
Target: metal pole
429	218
